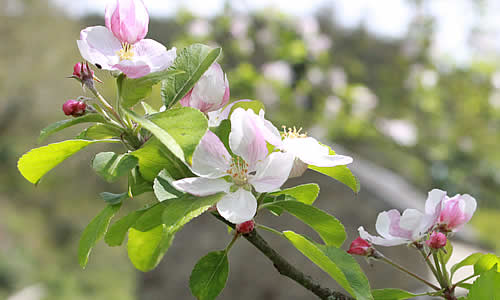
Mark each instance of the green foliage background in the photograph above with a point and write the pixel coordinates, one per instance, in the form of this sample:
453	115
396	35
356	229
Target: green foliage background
342	84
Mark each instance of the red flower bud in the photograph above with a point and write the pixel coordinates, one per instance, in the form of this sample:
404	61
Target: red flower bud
84	74
245	227
360	247
437	240
74	108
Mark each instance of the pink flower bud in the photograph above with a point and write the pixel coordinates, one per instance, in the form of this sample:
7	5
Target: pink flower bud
74	108
83	72
128	20
210	93
456	212
437	240
360	247
245	227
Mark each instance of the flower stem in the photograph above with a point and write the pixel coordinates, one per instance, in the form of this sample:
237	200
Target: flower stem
444	279
429	264
404	270
106	105
235	237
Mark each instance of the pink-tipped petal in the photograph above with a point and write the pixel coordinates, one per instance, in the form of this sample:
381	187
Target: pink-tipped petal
272	173
127	19
379	240
98	46
237	207
201	187
211	158
133	68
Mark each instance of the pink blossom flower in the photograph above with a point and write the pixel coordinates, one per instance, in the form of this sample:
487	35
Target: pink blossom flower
437	240
121	46
210	93
252	168
360	247
74	108
454	212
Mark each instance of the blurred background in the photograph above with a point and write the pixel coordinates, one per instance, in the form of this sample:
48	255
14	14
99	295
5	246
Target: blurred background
409	88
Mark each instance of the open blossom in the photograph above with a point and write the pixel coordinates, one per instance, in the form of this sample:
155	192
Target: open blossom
308	151
210	93
454	212
253	167
120	45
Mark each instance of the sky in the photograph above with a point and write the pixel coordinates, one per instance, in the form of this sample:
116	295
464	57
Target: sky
389	18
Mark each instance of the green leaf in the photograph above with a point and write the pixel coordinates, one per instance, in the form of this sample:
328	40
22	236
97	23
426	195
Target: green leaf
392	294
336	262
148	109
328	227
137	185
194	61
445	255
340	173
146	249
100	132
486	287
468	261
306	193
63	124
209	276
132	90
113	199
222	131
486	262
162	187
117	232
254	105
37	162
94	232
112	166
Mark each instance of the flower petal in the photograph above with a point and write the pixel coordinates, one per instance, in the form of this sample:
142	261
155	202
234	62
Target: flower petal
380	241
216	117
413	221
155	54
134	68
211	158
99	46
311	152
238	207
199	186
434	200
272	172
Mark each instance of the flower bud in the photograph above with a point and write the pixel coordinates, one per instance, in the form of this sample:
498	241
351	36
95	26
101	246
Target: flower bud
74	108
210	93
361	247
436	240
128	20
84	74
245	227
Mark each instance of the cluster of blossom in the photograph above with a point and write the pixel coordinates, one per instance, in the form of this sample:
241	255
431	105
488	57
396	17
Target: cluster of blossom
442	216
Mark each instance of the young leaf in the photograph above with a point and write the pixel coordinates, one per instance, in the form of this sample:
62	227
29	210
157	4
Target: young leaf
37	162
336	262
468	261
254	105
137	185
486	287
392	294
63	124
148	109
209	276
117	232
306	193
181	210
163	189
94	232
445	256
100	132
113	199
486	262
134	90
328	227
340	173
194	61
146	249
112	166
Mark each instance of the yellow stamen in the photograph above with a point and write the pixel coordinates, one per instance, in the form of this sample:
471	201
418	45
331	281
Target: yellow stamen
293	133
126	52
238	171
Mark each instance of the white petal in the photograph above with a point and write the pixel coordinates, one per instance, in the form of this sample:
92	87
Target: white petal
272	172
155	54
383	224
380	241
470	204
211	86
415	222
200	186
134	68
433	201
311	152
99	46
211	158
270	132
238	207
216	117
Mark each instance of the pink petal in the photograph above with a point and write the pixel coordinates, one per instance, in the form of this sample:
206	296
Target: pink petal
98	46
211	158
379	240
272	172
238	207
216	117
201	187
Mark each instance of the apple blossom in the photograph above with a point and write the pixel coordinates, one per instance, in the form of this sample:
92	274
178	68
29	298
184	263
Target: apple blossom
361	247
210	93
252	168
454	212
437	240
122	47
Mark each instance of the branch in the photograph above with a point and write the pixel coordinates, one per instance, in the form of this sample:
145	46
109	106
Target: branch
286	269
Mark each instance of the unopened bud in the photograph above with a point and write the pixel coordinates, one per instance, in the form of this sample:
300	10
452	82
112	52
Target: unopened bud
361	247
245	227
84	74
74	108
437	240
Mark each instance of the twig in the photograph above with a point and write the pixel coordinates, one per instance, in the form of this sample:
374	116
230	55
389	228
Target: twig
286	269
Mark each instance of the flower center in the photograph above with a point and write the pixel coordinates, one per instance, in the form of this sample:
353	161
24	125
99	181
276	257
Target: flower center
126	52
293	133
239	171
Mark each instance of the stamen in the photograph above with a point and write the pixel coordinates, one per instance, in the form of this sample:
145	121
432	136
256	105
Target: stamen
238	171
293	133
126	52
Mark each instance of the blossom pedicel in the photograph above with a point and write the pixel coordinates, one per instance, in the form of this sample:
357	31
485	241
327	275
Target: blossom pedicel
121	44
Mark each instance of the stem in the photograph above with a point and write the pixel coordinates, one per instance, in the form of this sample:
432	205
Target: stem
236	236
428	262
106	105
402	269
464	280
286	269
443	281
